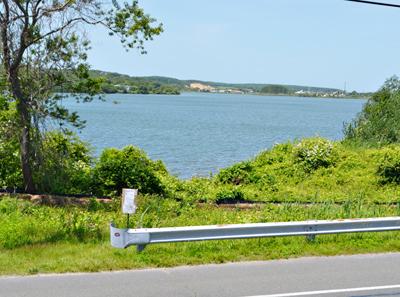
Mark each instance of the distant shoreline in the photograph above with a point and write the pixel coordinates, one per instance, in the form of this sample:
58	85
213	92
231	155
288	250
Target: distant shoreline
279	95
246	94
116	83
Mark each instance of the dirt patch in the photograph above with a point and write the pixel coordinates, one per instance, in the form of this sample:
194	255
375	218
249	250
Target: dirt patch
57	200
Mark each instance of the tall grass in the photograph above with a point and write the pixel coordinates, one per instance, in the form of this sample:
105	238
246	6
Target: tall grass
42	239
25	224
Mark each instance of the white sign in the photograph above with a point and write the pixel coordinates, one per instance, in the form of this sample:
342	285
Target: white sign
128	200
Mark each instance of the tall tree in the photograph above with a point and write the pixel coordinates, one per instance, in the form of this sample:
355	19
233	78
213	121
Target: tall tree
44	51
379	121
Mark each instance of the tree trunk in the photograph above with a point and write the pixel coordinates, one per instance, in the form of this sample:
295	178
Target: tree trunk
11	66
25	148
24	137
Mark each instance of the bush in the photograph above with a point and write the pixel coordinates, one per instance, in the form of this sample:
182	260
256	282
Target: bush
237	174
10	165
389	165
64	166
229	195
379	121
313	153
10	171
277	154
127	168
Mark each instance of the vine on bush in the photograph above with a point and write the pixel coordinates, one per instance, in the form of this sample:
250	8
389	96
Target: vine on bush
389	165
313	153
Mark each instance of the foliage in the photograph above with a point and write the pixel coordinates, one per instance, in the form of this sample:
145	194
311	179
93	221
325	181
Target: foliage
389	165
236	174
65	165
10	171
24	223
127	168
118	83
314	153
139	88
44	52
275	89
277	175
229	196
379	121
354	187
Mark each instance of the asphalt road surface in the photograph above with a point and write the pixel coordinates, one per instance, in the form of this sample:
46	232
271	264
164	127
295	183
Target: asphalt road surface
358	276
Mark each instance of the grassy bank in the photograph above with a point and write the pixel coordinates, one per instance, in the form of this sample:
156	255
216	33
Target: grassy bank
313	170
42	239
92	257
311	179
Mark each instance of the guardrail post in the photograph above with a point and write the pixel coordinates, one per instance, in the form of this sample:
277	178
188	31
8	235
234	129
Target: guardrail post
140	247
311	237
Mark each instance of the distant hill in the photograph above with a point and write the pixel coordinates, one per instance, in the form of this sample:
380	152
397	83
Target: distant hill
259	87
121	83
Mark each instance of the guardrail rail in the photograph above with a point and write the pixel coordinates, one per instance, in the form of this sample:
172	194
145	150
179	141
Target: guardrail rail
123	238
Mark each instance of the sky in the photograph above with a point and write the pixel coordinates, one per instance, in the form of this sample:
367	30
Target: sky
325	43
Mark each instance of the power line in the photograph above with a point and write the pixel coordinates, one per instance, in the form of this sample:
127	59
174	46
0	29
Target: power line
375	3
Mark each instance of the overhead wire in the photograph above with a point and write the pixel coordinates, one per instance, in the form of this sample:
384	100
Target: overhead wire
376	3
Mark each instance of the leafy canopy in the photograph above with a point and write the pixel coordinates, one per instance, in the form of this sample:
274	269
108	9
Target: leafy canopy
379	121
46	43
44	47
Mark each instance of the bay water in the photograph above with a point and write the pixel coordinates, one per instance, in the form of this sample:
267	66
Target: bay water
196	134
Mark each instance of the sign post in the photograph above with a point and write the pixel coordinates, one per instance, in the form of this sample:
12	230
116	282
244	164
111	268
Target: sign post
128	203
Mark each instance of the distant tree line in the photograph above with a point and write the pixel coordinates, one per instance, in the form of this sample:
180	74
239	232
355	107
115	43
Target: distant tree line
275	89
120	83
139	88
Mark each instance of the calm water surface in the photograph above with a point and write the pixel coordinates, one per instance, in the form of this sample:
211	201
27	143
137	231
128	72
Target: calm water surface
195	134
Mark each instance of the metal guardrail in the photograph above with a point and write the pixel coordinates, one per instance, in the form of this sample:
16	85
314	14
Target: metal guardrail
123	238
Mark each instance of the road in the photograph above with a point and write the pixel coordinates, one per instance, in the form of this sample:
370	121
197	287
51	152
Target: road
360	275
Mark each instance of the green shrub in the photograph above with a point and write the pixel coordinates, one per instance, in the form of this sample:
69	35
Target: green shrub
379	121
237	174
229	195
65	165
10	171
313	153
127	168
195	189
278	154
10	165
269	182
389	165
